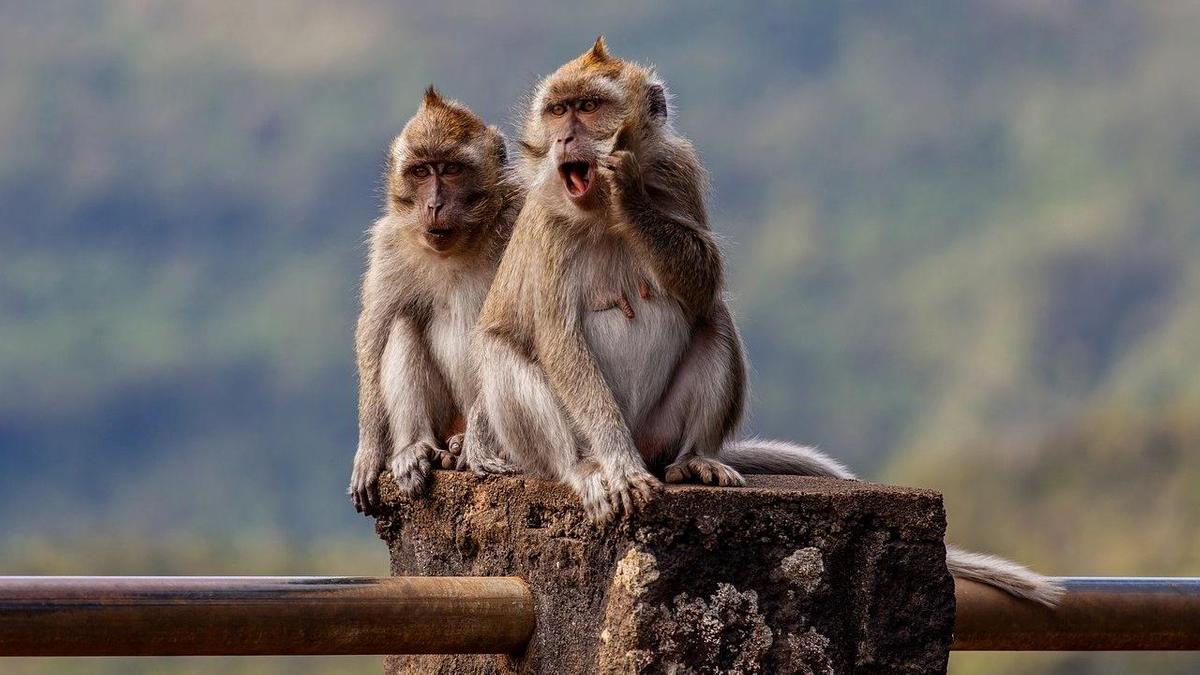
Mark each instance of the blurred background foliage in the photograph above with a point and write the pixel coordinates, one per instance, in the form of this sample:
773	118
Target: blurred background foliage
963	237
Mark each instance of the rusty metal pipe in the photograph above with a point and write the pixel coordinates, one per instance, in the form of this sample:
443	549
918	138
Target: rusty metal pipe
1096	614
194	616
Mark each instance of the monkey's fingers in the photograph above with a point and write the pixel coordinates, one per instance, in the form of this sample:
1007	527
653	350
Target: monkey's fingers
626	502
626	308
619	301
644	290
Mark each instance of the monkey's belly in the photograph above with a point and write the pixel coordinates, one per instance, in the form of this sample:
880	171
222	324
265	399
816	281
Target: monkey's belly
638	356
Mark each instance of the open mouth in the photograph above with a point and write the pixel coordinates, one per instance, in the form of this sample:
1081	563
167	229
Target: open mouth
440	232
576	177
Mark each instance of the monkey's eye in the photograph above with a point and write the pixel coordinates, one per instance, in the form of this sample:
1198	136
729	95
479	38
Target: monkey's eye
588	105
420	171
558	109
451	169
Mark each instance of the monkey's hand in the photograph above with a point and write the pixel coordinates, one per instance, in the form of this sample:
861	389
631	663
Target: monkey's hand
602	302
364	478
613	489
410	468
628	190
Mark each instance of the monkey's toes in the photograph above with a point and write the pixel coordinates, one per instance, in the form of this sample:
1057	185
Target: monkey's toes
704	470
492	465
444	459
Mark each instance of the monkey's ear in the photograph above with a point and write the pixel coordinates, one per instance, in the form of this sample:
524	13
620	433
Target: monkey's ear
432	98
599	51
658	101
500	148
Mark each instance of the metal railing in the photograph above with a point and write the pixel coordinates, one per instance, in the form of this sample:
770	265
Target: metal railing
176	616
1095	614
242	616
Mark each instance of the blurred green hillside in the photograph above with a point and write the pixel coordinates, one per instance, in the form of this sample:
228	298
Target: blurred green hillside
964	239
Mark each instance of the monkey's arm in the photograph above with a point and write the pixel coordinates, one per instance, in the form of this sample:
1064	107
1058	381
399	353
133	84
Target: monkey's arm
385	330
681	250
370	339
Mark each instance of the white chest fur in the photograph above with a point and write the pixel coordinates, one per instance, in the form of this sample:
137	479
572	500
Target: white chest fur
637	356
449	336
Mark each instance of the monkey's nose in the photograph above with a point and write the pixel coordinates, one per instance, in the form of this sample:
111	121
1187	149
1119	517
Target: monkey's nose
435	208
567	141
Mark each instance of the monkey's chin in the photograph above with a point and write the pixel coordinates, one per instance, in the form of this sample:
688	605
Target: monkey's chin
441	240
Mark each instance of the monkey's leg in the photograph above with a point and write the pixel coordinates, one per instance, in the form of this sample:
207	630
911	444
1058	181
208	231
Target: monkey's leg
701	408
417	399
529	423
522	412
482	453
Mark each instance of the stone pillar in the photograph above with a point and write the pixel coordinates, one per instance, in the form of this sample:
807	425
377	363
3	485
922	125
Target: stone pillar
788	575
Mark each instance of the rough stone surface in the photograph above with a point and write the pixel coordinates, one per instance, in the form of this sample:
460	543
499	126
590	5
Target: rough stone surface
787	575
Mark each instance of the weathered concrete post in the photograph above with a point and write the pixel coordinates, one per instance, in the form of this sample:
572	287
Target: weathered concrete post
788	575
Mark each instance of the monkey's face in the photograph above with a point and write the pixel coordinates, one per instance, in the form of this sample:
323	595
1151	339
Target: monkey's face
580	124
443	175
441	200
581	113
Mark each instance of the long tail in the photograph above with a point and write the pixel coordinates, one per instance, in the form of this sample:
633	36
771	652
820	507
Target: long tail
1005	575
756	455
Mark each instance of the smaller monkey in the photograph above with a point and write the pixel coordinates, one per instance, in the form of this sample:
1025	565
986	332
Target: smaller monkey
447	218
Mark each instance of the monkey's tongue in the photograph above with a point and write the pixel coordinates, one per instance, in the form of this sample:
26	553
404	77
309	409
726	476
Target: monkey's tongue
578	182
575	175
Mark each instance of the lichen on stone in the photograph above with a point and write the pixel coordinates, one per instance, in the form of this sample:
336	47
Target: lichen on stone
806	654
636	571
724	634
804	569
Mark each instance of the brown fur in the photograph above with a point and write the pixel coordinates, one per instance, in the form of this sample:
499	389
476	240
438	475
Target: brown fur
410	284
562	396
642	238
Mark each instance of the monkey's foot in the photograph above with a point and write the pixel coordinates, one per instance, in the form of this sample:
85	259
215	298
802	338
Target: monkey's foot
451	457
491	465
444	459
410	469
603	302
694	469
481	461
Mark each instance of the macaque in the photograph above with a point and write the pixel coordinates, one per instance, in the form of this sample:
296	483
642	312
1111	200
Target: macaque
447	217
605	349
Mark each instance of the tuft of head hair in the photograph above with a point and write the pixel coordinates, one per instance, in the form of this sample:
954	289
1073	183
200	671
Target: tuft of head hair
432	98
597	54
